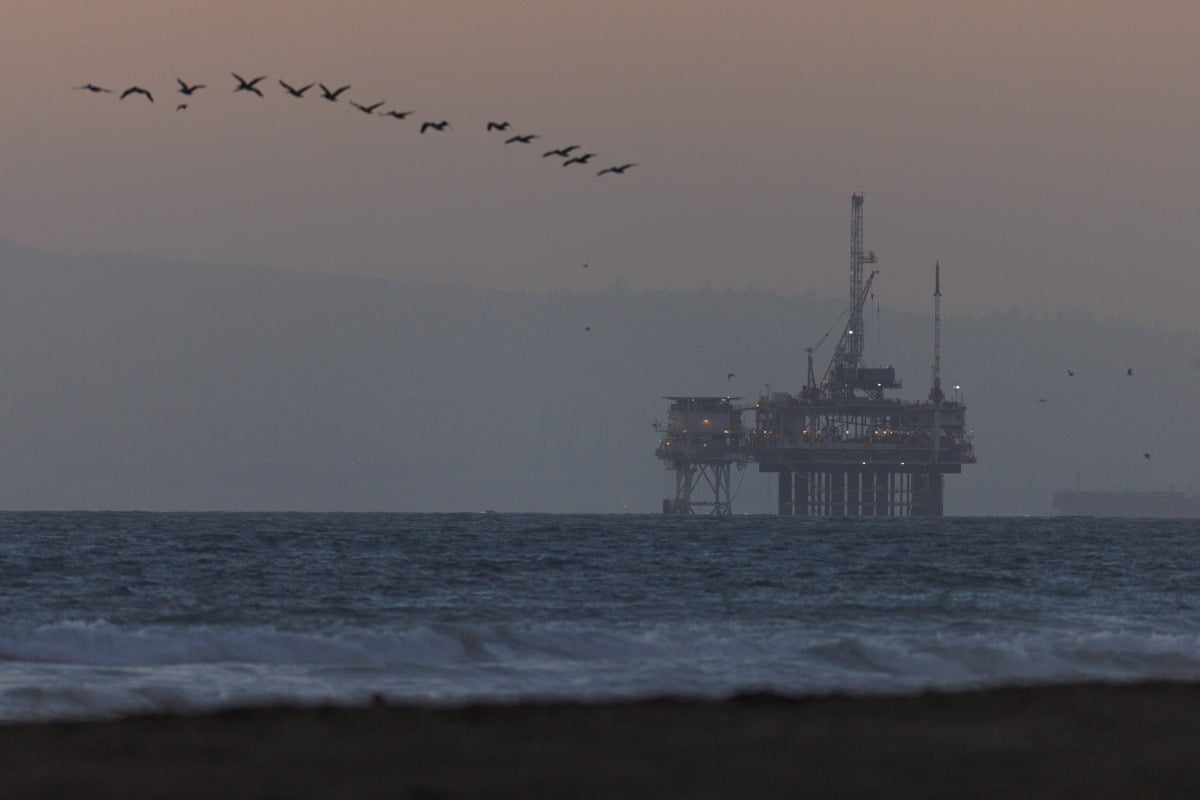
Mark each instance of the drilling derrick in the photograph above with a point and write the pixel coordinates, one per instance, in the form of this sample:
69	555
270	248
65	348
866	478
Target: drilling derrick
841	447
936	395
851	349
847	373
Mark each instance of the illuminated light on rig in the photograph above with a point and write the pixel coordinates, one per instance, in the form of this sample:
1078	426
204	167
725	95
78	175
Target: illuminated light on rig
820	459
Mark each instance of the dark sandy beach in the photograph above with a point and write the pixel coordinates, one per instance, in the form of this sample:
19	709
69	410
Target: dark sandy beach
1070	741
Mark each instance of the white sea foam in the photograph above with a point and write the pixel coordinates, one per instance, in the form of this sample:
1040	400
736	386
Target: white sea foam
106	614
91	669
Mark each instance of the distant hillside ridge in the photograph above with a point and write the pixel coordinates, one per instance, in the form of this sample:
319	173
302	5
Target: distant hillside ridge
134	383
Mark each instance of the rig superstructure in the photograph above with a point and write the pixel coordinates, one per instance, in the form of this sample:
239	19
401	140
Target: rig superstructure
839	448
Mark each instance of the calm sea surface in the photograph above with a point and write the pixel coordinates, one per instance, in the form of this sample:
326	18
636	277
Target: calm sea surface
107	613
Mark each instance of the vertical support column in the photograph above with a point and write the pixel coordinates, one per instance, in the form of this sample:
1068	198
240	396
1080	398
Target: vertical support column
722	503
838	499
868	491
684	472
881	493
853	493
800	495
786	508
927	494
937	483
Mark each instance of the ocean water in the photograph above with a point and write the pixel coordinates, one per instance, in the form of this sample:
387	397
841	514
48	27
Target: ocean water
104	614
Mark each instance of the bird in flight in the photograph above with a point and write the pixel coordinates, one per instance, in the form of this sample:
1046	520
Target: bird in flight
331	96
1129	371
396	114
583	159
1146	456
526	139
91	87
616	170
729	376
437	126
367	109
248	86
1070	373
181	107
293	91
498	126
137	90
564	152
188	90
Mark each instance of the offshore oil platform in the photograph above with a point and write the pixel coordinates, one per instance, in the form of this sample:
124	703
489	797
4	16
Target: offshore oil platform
841	447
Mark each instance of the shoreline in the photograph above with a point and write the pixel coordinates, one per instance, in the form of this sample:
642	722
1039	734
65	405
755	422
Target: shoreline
1085	740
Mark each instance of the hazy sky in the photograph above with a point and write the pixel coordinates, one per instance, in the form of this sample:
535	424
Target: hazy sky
1046	152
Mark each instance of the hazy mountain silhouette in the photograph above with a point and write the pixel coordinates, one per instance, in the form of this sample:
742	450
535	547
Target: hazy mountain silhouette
135	383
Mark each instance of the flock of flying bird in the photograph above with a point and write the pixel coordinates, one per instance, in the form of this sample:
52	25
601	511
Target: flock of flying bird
567	154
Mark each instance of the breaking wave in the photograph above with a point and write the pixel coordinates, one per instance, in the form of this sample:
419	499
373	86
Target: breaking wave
92	669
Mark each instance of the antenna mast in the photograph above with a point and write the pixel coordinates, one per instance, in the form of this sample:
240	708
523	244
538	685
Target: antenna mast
935	393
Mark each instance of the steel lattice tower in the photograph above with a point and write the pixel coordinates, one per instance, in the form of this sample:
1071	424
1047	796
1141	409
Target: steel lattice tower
853	357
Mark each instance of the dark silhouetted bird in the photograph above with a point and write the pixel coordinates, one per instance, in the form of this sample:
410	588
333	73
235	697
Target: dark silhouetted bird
331	96
587	327
181	107
248	86
437	126
1041	399
499	126
396	114
91	87
616	170
1070	374
1129	371
137	90
583	159
367	109
729	376
1146	456
564	152
525	139
188	90
293	91
585	266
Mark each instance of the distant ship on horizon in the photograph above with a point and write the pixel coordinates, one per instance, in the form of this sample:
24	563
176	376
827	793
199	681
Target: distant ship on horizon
1098	503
